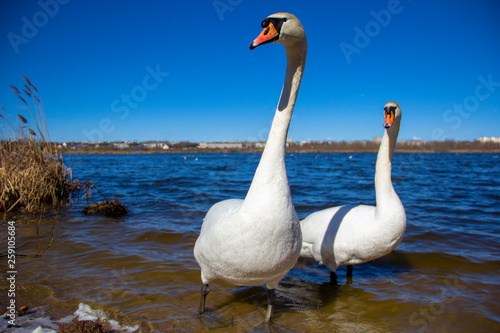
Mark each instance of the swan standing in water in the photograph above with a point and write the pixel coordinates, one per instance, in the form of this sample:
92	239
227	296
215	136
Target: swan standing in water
257	240
349	235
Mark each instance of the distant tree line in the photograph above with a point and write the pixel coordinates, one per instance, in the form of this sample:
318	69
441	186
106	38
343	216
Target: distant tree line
298	147
413	146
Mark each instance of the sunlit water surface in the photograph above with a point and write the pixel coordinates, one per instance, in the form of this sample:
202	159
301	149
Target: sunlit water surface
139	272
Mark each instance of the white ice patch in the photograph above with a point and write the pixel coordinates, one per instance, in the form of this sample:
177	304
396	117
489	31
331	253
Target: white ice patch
30	324
85	312
39	329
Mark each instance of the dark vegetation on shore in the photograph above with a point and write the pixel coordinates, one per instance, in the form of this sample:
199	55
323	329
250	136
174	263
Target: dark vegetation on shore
32	173
33	176
308	147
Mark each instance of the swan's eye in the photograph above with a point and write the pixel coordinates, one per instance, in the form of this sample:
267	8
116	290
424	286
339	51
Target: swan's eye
390	109
284	19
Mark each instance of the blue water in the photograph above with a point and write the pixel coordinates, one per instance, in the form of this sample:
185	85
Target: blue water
443	277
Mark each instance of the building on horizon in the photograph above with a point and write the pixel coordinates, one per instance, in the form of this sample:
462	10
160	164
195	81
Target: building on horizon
485	139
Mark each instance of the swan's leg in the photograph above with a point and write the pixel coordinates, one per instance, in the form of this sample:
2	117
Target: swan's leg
333	277
271	297
204	292
349	271
349	274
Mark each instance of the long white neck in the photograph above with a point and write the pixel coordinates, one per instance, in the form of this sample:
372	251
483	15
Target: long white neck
271	172
386	197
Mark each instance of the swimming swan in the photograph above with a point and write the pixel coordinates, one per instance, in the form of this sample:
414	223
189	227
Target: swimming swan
349	235
257	240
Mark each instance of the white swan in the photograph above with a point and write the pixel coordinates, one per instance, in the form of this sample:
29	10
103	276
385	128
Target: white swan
257	240
349	235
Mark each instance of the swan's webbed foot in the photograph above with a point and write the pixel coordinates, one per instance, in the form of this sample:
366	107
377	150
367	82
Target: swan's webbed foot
271	297
204	292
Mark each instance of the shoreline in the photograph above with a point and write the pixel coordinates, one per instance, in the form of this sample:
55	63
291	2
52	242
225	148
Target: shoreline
288	151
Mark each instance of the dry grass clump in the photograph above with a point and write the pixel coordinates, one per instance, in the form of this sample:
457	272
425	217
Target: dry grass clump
32	174
109	208
83	326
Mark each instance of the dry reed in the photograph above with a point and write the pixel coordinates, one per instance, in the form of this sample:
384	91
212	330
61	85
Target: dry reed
32	174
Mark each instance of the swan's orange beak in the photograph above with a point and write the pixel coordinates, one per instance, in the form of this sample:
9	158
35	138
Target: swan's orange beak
389	117
268	35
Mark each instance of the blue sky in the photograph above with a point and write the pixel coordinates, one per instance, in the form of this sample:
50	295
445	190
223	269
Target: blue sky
182	70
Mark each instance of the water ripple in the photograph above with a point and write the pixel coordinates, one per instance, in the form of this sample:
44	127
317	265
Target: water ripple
141	266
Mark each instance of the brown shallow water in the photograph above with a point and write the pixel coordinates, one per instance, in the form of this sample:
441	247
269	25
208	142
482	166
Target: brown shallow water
139	272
